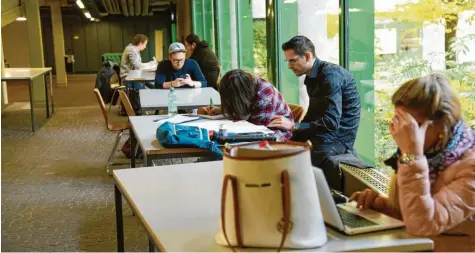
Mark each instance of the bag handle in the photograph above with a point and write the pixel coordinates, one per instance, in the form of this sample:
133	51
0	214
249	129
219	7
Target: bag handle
285	186
286	207
237	223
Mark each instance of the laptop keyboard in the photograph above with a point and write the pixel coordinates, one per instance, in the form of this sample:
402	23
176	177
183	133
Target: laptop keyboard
353	220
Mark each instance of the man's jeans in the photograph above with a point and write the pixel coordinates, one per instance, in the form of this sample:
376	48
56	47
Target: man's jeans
140	85
321	158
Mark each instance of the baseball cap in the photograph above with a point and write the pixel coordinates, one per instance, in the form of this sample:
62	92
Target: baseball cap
176	47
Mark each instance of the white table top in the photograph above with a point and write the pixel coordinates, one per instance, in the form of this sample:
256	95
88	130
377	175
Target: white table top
23	73
145	131
185	98
141	75
179	206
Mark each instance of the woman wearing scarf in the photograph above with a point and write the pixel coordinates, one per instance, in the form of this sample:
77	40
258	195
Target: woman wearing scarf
433	187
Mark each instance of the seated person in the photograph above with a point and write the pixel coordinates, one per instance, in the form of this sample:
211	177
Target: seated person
433	187
131	59
333	114
245	97
205	57
177	71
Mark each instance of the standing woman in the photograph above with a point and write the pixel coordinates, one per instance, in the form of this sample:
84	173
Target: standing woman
433	189
201	52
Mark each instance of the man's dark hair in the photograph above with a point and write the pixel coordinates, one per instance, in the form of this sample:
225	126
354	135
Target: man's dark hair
238	93
300	45
139	39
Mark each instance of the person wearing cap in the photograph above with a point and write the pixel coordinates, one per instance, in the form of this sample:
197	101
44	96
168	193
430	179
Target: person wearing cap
177	71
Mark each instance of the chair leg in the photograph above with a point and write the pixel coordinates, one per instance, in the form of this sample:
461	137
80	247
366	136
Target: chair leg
111	157
113	94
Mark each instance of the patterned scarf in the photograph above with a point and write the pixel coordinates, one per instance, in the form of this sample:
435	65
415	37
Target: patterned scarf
439	158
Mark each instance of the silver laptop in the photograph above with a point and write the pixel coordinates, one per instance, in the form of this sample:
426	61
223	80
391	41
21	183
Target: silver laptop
346	217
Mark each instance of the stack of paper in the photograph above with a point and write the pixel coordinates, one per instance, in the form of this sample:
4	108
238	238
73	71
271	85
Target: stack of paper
231	126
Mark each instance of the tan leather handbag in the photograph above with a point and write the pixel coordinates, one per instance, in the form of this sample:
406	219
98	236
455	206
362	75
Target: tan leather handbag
269	198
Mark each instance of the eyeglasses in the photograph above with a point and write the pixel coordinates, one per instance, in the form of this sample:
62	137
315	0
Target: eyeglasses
178	60
293	60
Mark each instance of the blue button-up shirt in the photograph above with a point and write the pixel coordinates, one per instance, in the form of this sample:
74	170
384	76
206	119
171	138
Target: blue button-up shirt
166	72
333	113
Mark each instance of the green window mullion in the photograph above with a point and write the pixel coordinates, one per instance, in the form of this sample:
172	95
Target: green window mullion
208	18
238	33
286	14
203	20
197	17
271	41
245	35
223	35
360	45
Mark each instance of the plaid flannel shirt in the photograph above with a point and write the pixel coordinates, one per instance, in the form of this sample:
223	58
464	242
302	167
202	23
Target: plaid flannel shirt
270	103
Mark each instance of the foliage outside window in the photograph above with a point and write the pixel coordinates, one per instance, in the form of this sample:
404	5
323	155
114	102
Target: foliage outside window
260	49
456	58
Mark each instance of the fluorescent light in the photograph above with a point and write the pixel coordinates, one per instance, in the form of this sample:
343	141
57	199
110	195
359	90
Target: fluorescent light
87	14
92	19
80	4
21	18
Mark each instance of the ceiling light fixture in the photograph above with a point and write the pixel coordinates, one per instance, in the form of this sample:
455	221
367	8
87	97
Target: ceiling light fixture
80	4
87	14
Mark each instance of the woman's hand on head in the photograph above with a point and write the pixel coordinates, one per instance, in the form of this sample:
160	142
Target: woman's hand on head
407	133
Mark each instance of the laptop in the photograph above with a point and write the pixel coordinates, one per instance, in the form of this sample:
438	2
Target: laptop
345	217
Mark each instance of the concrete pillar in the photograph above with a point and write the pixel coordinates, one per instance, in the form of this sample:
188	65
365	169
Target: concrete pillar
35	42
58	41
183	19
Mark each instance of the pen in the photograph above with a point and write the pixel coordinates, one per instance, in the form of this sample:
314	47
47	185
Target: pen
211	103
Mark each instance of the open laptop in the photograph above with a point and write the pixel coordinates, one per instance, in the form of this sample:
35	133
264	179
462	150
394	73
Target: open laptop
346	217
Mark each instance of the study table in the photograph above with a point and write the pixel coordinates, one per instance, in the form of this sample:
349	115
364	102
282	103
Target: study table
186	98
29	74
179	206
144	134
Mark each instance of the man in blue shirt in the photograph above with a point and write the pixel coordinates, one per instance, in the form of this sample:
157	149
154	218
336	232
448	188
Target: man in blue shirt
333	114
178	72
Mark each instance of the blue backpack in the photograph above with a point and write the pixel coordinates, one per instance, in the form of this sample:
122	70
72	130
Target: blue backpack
172	135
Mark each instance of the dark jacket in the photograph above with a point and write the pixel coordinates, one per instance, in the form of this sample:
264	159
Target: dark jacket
166	73
103	79
333	113
208	62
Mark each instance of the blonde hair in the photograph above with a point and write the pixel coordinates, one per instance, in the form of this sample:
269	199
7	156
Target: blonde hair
435	97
